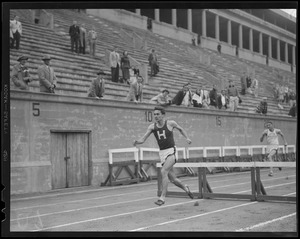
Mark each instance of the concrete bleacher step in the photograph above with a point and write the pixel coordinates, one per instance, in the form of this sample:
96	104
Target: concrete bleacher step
177	66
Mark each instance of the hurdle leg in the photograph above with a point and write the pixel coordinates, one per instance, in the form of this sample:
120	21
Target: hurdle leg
110	174
254	198
259	189
159	182
204	182
200	182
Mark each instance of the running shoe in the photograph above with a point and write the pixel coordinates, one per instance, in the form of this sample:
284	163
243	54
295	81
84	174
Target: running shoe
159	202
190	193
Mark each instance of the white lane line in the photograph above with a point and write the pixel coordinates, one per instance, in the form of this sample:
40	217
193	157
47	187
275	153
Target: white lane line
112	189
98	206
199	215
117	195
84	208
81	200
127	213
265	223
114	195
116	215
187	218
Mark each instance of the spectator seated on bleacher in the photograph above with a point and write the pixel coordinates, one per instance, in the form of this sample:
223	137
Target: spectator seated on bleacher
222	100
162	98
293	110
197	98
262	108
183	96
20	74
213	94
97	87
292	97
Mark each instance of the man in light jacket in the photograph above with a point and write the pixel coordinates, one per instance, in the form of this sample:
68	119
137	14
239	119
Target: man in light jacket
114	60
46	76
16	29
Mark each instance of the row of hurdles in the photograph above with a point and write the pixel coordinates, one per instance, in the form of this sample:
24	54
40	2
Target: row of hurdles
138	169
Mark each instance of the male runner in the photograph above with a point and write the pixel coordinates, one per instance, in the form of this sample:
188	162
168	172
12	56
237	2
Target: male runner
163	132
273	142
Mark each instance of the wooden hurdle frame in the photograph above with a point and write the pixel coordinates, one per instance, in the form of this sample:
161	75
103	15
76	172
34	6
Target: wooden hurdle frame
187	170
213	159
145	165
290	156
112	177
258	192
248	157
231	157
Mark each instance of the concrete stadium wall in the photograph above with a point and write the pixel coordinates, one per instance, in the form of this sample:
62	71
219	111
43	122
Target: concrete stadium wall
168	30
113	124
120	16
252	56
280	65
174	32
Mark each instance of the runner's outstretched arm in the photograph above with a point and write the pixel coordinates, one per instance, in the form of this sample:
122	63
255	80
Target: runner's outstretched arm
145	137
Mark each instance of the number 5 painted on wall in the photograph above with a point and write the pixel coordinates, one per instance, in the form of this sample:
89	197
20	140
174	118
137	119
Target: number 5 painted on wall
36	109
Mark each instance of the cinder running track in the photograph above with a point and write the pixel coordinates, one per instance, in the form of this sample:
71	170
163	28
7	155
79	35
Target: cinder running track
131	208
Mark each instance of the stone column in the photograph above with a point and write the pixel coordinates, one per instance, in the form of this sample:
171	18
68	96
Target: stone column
278	50
260	43
204	23
138	11
240	36
229	32
174	17
156	14
251	39
286	52
270	47
217	28
189	19
293	55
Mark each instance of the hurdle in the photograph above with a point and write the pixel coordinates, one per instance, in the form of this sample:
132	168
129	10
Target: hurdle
258	152
257	191
290	153
187	170
198	158
245	155
112	177
146	165
215	156
230	154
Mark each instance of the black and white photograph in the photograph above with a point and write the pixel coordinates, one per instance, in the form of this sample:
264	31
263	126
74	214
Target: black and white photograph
167	119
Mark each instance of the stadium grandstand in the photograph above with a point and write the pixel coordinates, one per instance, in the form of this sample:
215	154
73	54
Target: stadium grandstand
67	139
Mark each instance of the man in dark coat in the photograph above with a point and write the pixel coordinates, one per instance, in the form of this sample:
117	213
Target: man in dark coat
213	96
262	108
74	33
243	83
97	87
178	98
152	59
